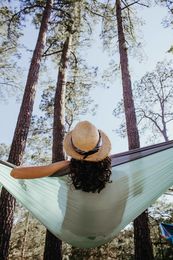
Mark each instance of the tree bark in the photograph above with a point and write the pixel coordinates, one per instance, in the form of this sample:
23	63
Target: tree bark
131	125
53	245
164	131
7	202
59	104
143	246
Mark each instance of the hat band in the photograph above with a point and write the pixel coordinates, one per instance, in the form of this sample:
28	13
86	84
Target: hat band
93	151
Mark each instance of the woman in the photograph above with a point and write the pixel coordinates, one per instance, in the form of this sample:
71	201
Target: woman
90	164
90	206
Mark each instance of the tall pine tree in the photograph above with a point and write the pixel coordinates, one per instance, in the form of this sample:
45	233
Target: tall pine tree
7	202
53	244
143	246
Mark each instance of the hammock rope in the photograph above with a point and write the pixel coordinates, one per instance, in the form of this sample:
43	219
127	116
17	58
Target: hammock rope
88	220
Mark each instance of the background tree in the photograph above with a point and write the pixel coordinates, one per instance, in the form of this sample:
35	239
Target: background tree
80	77
168	20
7	202
154	98
153	95
4	150
53	244
143	247
9	44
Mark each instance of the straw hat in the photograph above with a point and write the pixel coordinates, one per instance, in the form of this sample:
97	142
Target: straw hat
86	142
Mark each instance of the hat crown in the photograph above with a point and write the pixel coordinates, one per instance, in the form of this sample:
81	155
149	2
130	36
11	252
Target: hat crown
85	136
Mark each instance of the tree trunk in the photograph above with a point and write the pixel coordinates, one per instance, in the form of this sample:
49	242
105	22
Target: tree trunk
164	131
131	125
53	245
59	104
143	246
52	249
7	202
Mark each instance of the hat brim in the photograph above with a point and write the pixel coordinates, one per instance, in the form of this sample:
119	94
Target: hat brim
102	153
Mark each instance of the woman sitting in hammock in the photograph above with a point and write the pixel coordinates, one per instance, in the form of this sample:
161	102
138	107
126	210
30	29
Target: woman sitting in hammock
90	164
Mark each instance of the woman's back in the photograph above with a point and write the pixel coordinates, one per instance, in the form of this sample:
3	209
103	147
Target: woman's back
95	214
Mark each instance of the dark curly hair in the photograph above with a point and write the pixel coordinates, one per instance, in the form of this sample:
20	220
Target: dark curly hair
90	176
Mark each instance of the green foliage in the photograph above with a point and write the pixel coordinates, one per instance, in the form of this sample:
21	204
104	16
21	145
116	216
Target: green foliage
171	49
4	150
131	25
9	35
168	20
69	18
78	102
66	19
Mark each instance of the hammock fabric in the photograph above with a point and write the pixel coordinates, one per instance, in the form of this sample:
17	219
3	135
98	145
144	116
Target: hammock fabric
167	231
87	220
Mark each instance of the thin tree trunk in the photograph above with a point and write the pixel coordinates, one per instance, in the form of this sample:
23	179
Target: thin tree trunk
143	246
53	245
25	236
164	131
165	136
59	104
7	202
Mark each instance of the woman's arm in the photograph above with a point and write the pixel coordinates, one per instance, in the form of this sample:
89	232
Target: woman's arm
38	171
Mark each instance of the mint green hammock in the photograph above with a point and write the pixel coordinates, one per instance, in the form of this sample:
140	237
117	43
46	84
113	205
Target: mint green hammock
87	220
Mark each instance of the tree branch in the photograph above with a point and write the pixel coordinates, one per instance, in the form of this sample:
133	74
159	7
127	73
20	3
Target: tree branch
95	13
151	119
75	58
51	53
7	49
136	2
49	46
38	131
63	11
167	121
19	13
90	29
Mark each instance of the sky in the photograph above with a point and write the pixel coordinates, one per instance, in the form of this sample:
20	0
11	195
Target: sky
157	40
